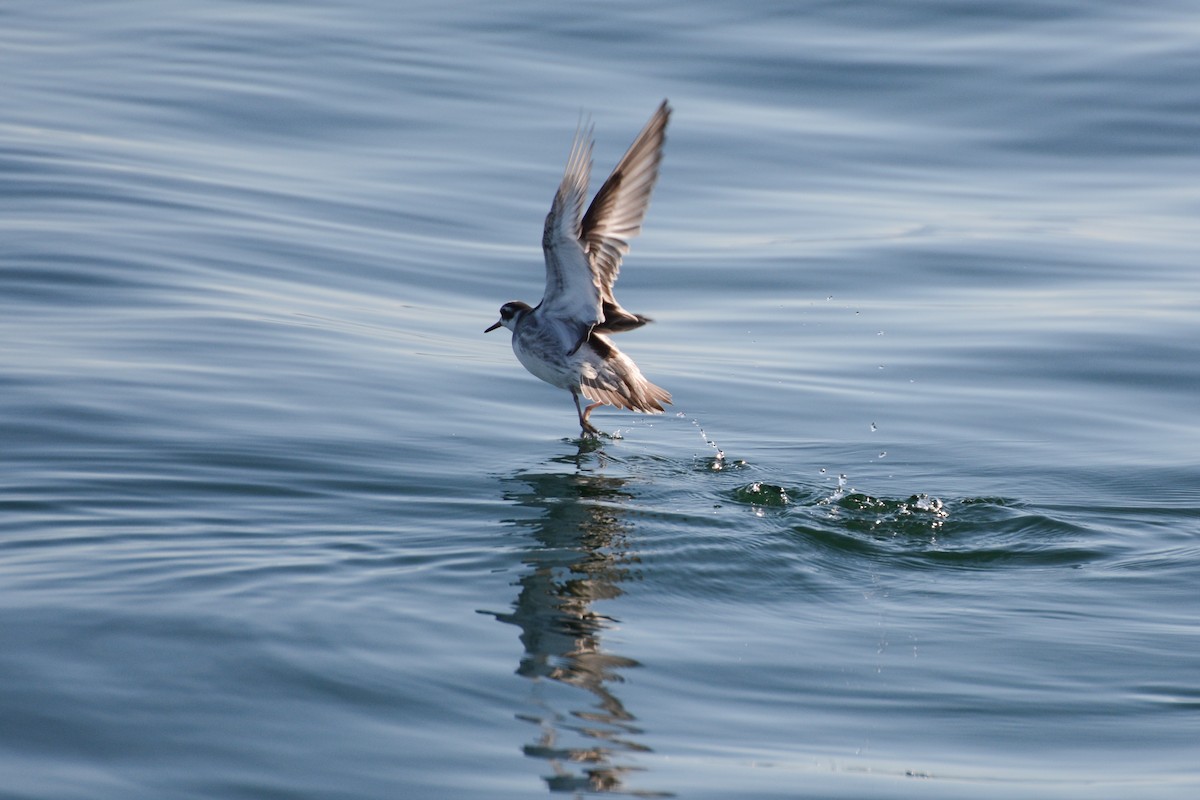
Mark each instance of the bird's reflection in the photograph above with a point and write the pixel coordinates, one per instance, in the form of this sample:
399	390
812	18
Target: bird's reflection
579	556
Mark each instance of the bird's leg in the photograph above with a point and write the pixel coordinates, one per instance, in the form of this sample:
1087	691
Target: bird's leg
587	412
587	428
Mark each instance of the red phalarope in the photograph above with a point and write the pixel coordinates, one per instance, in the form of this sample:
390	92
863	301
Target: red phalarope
562	340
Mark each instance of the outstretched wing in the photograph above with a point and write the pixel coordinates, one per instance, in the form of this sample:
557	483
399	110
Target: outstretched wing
615	216
572	293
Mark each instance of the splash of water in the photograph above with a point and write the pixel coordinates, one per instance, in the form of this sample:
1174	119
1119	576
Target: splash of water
717	462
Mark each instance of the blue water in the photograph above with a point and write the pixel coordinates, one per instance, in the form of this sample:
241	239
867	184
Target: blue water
277	519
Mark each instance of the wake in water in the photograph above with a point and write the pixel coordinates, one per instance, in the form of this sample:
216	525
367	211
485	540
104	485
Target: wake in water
833	515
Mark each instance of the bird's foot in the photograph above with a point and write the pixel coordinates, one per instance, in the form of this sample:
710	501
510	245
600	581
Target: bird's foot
590	431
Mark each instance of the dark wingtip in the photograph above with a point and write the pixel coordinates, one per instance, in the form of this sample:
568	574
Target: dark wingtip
622	324
618	320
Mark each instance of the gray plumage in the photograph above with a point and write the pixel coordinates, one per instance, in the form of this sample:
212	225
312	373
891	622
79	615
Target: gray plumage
562	340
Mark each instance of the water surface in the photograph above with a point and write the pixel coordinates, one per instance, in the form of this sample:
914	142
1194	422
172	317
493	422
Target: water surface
279	520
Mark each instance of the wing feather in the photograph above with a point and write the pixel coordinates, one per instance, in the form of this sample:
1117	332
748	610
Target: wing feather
616	214
571	290
584	250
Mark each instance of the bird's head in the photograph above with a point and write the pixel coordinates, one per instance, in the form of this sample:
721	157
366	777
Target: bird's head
509	314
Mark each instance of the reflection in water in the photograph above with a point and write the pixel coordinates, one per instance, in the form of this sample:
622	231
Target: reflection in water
579	556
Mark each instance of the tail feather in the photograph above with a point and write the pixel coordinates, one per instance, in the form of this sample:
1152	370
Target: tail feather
631	395
616	381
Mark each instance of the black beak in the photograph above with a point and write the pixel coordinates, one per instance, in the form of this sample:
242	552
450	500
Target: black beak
499	322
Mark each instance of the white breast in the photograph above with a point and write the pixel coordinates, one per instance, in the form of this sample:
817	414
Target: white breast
542	349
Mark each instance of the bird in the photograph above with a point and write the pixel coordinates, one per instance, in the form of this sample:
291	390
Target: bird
564	339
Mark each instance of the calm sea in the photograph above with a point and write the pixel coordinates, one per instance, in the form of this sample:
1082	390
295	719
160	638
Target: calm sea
278	520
